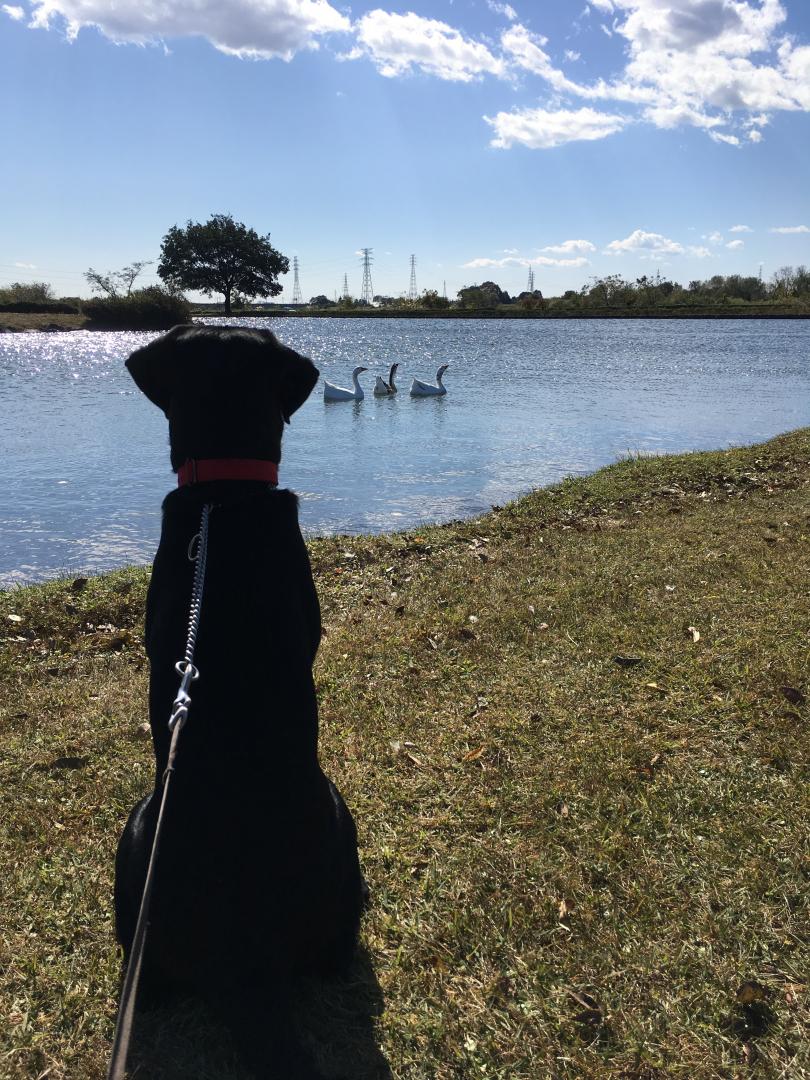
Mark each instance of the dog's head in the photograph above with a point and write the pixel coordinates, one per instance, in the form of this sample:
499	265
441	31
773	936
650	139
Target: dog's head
226	391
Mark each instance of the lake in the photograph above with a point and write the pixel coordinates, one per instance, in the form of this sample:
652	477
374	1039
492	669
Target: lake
85	455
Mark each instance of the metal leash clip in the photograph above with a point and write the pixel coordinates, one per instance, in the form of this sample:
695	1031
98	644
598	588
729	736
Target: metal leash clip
182	702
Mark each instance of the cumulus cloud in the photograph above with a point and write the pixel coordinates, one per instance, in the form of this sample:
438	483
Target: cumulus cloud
740	228
787	230
252	29
645	243
511	261
502	9
718	65
699	252
545	128
398	44
13	12
735	245
567	246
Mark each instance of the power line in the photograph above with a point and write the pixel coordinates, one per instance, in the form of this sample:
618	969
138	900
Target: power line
367	290
412	293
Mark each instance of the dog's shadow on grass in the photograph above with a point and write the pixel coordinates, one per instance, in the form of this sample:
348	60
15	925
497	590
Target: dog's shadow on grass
336	1019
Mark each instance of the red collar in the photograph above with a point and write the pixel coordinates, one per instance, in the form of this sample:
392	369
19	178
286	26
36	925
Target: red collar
199	470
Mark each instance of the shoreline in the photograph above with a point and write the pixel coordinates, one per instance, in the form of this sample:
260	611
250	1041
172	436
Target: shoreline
12	323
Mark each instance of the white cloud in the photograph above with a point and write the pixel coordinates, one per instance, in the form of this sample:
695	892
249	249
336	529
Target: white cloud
567	246
252	29
25	266
572	55
713	237
13	12
502	9
704	63
735	245
645	243
718	136
399	43
511	261
740	228
699	252
787	230
544	128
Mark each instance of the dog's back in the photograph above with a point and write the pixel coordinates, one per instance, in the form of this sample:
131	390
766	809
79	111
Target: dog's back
258	874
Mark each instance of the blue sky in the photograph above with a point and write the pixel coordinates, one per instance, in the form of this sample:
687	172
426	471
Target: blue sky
578	138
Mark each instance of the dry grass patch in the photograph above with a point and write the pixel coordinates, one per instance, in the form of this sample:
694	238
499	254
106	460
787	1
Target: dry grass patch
574	736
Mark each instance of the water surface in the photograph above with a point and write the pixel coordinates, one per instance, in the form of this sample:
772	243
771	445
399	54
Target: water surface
85	456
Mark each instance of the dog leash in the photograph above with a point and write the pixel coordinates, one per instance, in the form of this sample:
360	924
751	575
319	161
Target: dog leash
197	553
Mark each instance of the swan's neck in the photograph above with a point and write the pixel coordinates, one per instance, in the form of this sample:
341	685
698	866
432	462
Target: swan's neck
439	375
356	379
391	374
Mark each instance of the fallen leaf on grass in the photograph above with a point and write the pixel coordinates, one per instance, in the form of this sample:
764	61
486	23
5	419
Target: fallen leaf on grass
693	630
794	696
474	755
14	618
654	686
627	661
564	910
592	1016
751	991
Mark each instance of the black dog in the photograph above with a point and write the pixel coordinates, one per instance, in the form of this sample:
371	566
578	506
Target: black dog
257	876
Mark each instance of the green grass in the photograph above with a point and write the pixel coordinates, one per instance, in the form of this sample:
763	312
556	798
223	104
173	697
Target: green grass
580	868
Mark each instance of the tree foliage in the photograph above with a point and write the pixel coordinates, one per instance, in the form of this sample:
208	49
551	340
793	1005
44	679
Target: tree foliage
221	256
116	283
153	308
27	292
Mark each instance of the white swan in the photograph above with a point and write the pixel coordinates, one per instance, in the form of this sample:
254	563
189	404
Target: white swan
339	393
381	388
423	389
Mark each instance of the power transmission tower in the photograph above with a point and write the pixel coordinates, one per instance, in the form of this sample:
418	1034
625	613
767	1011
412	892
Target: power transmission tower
444	289
530	286
296	284
367	291
345	294
412	293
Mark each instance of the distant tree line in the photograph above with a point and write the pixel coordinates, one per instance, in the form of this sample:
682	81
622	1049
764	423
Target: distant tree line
789	285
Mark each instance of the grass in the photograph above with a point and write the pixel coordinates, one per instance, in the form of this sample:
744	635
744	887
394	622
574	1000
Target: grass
574	735
12	320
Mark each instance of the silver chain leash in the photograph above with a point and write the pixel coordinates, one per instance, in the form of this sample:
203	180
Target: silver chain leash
180	707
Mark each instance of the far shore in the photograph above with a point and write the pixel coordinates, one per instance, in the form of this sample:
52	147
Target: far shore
13	322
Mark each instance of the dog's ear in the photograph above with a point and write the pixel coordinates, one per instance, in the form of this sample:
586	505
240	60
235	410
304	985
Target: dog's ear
155	369
298	376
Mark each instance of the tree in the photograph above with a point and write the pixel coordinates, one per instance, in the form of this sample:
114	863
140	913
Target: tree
221	256
114	281
431	299
29	292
